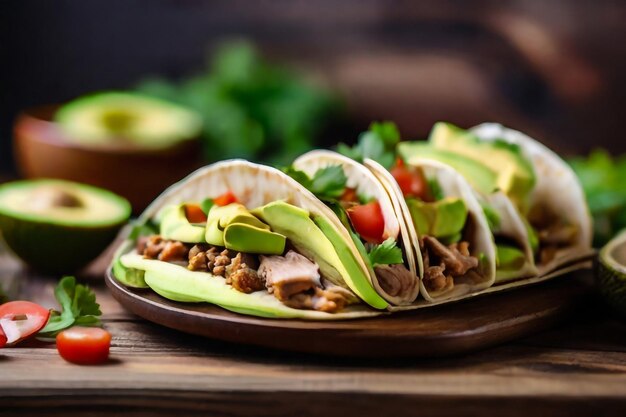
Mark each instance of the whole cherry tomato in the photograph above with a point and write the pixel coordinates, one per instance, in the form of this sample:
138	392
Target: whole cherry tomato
84	345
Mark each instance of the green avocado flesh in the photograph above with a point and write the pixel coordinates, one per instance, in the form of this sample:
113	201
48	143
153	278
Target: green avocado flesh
509	257
478	175
317	239
234	227
440	219
112	117
175	226
516	176
59	226
179	284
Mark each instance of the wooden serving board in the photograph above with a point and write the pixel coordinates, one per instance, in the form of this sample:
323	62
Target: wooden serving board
437	331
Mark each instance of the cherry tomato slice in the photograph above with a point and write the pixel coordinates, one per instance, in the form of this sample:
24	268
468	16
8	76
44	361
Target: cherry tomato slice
21	319
194	213
225	199
368	221
84	345
3	339
411	182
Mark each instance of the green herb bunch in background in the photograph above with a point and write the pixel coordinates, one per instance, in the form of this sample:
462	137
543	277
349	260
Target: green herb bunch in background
603	178
251	108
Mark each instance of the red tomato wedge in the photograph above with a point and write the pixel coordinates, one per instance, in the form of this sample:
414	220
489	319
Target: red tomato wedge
84	345
21	319
411	182
368	221
225	199
3	339
194	213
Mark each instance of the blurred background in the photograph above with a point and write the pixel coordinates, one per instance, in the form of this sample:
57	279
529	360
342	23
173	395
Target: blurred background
553	69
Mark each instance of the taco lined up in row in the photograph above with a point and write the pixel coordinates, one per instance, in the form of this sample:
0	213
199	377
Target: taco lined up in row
250	239
541	221
343	236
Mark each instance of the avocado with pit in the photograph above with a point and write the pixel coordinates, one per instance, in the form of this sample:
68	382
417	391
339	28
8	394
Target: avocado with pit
234	227
478	175
174	225
441	219
317	239
516	176
58	226
126	118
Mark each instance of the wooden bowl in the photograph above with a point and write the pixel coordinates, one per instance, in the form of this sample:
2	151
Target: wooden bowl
139	174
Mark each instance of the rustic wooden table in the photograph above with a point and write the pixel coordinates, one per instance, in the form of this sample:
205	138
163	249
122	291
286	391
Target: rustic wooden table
577	368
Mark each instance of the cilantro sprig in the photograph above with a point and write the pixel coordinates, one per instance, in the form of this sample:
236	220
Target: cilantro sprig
386	253
328	183
377	143
79	308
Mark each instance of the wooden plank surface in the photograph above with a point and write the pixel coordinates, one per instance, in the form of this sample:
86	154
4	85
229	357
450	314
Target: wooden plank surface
578	368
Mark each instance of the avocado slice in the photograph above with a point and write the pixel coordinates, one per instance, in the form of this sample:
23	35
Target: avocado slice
509	257
234	227
443	218
478	175
115	117
175	226
58	226
245	238
317	239
516	176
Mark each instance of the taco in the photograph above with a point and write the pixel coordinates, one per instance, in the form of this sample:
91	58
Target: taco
252	240
525	187
371	215
447	225
556	210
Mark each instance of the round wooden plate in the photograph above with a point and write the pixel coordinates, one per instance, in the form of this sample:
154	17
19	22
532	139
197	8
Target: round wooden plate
436	331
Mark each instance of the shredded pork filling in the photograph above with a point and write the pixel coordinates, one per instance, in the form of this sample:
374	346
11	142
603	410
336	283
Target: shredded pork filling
443	263
394	279
293	279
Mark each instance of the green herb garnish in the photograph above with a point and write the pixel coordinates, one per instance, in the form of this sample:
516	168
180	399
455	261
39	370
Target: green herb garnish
386	253
79	308
377	143
328	183
603	177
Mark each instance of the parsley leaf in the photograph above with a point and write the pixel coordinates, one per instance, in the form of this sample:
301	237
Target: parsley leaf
327	184
377	143
386	253
79	307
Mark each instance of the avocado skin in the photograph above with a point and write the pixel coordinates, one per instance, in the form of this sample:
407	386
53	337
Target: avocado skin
612	287
56	249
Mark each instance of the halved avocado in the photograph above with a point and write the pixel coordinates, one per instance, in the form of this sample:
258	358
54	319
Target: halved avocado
114	117
58	226
611	277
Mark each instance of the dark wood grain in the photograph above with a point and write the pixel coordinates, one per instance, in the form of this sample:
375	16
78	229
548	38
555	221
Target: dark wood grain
575	369
436	331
